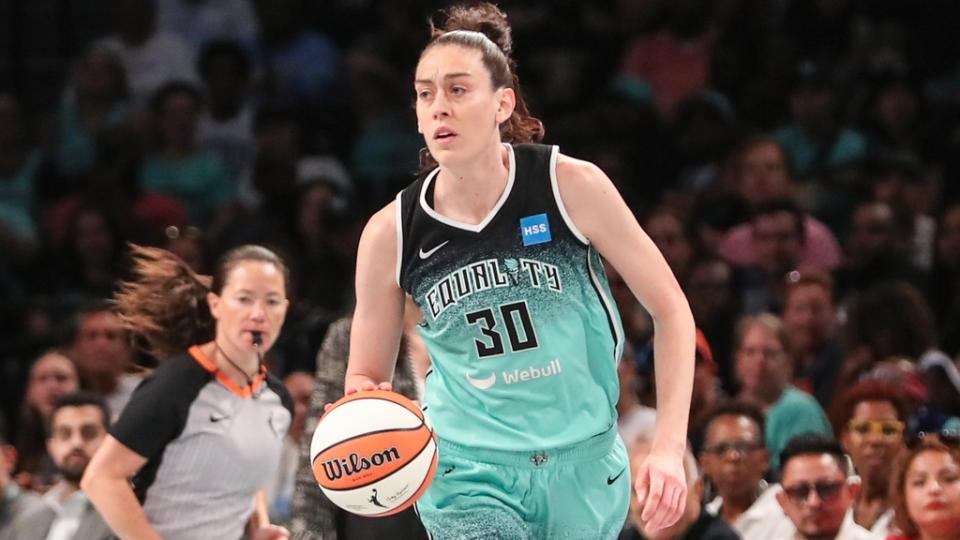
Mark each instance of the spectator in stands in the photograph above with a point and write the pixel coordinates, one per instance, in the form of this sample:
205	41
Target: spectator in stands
91	255
94	100
674	60
926	495
226	124
870	419
52	376
735	460
817	490
696	523
765	365
14	500
810	317
710	291
777	233
195	472
18	169
103	351
150	57
313	516
888	322
763	173
672	238
898	180
944	294
198	22
813	139
78	426
177	167
299	66
877	249
280	492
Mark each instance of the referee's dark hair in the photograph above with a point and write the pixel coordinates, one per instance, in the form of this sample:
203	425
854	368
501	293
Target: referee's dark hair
165	303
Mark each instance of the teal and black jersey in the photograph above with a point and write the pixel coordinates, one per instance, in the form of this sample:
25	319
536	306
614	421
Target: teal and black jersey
518	318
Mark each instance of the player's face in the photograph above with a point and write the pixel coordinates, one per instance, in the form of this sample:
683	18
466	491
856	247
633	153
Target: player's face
458	110
253	299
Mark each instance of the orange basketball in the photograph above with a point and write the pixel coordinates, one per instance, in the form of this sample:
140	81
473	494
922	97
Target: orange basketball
373	453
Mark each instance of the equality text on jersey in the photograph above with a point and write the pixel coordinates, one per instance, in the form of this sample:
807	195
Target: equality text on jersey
490	274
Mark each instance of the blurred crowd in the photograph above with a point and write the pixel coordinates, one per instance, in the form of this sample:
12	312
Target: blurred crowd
796	161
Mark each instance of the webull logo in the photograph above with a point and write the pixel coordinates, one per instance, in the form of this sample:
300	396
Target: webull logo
532	373
334	469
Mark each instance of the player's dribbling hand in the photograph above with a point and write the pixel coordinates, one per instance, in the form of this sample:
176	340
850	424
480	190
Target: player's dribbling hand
363	386
271	532
661	489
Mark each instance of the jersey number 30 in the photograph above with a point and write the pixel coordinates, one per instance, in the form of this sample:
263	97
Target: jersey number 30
516	319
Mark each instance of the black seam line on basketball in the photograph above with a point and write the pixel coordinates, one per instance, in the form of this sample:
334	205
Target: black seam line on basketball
426	478
341	441
603	305
384	477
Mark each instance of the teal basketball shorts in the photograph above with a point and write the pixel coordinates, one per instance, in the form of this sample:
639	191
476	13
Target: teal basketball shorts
580	492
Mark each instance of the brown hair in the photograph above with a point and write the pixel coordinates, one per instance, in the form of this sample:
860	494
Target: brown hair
809	277
483	27
772	323
867	390
165	304
898	487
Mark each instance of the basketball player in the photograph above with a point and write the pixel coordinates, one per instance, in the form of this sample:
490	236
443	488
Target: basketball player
500	246
203	434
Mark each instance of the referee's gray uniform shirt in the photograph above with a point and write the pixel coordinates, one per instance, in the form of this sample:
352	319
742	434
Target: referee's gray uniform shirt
210	446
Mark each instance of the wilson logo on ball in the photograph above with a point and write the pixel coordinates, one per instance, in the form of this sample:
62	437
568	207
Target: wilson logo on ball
334	469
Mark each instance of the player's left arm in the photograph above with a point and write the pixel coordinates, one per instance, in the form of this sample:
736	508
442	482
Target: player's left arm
600	214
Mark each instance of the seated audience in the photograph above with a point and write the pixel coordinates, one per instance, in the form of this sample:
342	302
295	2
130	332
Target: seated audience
926	492
817	490
696	523
734	461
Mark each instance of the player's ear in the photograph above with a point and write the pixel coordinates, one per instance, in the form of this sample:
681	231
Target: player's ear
506	103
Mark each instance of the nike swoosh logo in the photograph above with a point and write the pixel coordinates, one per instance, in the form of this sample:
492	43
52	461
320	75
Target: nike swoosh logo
427	254
217	418
610	480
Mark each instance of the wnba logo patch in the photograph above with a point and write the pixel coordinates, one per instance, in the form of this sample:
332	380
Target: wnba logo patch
535	230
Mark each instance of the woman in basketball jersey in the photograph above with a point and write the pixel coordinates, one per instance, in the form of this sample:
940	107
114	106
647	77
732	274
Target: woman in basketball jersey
499	244
203	433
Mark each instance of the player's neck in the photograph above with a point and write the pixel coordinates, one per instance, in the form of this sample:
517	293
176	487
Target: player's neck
469	190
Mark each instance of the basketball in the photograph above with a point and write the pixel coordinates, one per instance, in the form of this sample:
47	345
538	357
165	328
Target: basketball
373	453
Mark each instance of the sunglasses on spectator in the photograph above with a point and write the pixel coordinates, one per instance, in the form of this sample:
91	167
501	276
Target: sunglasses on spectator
885	428
947	437
741	447
826	491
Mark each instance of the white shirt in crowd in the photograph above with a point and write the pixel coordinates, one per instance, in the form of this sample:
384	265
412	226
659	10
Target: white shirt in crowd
69	513
764	520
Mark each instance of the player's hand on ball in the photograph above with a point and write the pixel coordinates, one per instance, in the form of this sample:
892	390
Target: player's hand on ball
365	385
661	489
271	532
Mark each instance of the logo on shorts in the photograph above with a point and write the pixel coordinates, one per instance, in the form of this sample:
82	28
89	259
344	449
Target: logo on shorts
612	479
535	230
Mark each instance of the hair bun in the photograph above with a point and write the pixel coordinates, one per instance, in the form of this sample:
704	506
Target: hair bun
482	17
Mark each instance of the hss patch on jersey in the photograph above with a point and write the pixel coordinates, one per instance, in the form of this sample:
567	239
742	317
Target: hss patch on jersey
535	230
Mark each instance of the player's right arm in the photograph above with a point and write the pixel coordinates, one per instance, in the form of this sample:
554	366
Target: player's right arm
106	481
378	316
